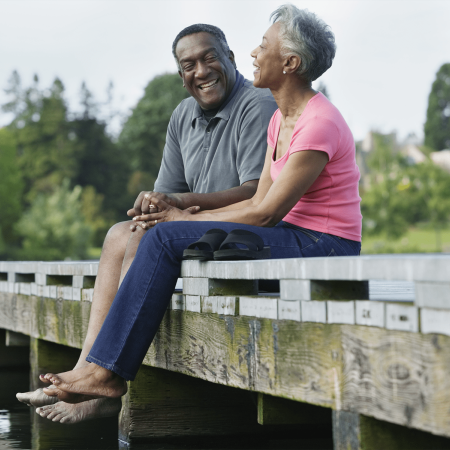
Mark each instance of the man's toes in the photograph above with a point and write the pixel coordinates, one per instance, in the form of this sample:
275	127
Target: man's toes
58	417
52	415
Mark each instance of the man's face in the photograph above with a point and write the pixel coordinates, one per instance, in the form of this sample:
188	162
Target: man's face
207	73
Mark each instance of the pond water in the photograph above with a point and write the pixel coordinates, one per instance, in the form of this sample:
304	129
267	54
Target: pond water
22	428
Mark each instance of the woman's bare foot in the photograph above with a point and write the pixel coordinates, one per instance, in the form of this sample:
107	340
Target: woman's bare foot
92	409
84	384
36	398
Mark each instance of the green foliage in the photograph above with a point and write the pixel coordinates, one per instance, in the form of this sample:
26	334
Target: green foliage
46	153
11	188
54	228
402	195
102	165
92	209
144	134
437	126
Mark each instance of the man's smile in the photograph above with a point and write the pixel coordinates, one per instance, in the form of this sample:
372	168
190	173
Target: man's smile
207	86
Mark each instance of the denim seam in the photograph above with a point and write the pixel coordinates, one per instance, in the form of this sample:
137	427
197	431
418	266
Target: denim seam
113	367
143	296
137	313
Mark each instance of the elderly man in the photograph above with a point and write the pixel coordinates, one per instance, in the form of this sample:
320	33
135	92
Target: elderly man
213	157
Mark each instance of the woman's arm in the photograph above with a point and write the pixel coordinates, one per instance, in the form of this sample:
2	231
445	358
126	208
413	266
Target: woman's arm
264	184
266	208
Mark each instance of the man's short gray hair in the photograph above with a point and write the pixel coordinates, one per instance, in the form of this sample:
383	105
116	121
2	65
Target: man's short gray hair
202	28
305	35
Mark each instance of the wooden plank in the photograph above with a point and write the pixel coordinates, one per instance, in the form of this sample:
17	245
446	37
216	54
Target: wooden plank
280	411
435	321
433	295
370	313
376	435
160	404
14	339
346	431
324	290
208	286
402	317
429	268
352	431
397	376
12	356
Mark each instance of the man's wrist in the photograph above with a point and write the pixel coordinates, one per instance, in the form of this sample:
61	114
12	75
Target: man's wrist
180	201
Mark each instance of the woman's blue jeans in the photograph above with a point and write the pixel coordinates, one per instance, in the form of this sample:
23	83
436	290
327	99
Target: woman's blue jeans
146	290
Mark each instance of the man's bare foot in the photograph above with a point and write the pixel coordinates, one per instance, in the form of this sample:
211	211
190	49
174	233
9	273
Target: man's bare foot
36	398
92	409
84	384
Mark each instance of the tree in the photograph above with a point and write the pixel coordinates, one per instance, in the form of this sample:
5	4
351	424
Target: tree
144	133
46	152
54	228
437	125
402	195
11	188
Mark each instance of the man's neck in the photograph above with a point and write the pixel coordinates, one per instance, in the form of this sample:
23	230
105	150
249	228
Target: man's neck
208	114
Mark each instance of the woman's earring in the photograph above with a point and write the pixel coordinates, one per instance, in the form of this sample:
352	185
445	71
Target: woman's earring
284	72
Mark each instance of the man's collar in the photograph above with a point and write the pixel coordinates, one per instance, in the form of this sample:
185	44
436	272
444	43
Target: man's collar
225	109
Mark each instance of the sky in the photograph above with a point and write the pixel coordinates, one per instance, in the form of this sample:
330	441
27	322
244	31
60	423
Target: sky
388	51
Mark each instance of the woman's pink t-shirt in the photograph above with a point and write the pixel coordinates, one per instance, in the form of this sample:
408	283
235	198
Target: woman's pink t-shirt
332	204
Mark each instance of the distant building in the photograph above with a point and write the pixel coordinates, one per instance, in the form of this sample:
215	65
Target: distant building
413	154
441	159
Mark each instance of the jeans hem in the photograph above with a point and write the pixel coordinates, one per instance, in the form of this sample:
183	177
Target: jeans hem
111	367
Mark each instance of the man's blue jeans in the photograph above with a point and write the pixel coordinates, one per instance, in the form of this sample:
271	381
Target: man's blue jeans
144	295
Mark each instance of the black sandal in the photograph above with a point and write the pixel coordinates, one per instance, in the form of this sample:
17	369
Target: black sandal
203	249
229	251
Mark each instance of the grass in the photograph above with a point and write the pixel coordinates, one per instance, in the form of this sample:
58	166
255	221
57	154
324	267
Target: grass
416	240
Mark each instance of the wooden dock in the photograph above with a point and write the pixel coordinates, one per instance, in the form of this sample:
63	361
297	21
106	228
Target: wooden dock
359	344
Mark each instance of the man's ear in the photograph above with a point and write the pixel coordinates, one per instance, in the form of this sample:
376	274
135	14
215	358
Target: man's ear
231	57
181	75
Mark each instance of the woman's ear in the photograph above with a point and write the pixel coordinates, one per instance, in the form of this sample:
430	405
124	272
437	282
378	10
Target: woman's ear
292	64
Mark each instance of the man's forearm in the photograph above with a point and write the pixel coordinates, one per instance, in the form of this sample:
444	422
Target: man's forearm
219	199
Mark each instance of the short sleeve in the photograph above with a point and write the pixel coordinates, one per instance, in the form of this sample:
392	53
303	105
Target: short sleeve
317	133
171	177
272	129
252	144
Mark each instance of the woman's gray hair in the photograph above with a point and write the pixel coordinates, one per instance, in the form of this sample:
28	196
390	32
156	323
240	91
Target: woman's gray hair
305	35
202	28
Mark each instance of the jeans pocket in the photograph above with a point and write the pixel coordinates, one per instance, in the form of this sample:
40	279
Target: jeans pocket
332	253
313	235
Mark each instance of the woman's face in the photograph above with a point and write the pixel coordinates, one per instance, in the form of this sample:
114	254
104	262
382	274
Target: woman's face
268	61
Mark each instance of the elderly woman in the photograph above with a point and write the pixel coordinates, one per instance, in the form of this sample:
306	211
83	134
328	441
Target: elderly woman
307	203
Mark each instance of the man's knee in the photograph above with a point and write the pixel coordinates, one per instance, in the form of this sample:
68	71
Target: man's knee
119	233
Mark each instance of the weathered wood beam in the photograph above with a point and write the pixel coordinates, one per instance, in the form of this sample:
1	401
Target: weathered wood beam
13	339
12	356
395	376
352	431
281	411
160	404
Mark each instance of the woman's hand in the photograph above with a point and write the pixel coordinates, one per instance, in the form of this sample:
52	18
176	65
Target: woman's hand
166	213
144	205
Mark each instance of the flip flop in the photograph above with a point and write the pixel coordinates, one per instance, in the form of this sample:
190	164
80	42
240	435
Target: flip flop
203	249
229	250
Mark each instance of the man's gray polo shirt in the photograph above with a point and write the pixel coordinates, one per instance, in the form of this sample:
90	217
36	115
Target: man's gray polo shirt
228	151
